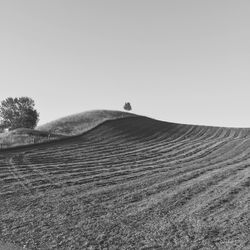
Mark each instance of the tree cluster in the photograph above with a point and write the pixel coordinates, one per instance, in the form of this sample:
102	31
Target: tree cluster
18	113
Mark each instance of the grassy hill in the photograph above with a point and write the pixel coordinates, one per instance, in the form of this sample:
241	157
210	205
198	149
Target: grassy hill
67	126
130	183
81	122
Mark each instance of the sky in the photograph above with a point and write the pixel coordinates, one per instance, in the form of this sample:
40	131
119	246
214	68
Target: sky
178	61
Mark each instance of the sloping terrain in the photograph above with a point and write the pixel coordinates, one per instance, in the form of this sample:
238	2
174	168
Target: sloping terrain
67	126
79	123
24	136
130	183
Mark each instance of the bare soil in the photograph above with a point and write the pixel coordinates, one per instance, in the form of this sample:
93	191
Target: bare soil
131	183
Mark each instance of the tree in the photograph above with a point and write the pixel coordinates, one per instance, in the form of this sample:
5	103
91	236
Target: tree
18	113
127	106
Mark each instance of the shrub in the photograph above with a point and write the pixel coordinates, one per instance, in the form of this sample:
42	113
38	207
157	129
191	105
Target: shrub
127	106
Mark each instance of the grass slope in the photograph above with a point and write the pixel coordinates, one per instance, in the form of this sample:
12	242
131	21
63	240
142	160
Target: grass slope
79	123
58	129
131	183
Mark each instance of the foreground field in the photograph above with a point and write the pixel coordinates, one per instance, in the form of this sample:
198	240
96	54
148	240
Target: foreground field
131	183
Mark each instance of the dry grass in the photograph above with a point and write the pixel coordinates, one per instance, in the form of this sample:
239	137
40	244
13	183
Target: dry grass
82	122
131	183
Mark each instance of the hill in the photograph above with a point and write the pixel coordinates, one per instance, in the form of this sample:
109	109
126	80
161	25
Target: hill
130	183
60	128
81	122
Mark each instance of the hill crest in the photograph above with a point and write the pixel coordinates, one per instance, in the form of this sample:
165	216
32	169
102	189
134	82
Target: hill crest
81	122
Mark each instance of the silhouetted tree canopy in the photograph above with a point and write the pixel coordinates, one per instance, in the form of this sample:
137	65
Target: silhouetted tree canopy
18	113
127	106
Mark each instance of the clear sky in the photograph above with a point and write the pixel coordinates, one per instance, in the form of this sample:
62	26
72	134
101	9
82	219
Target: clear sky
185	61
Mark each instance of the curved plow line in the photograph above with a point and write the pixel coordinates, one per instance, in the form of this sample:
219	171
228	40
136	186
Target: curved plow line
38	171
169	185
26	164
209	165
197	175
89	162
187	149
216	195
214	168
229	148
28	186
197	171
14	171
127	155
54	182
184	195
133	150
197	152
95	171
93	152
216	134
127	175
200	159
84	144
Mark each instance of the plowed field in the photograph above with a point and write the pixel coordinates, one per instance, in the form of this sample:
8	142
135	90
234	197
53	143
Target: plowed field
131	183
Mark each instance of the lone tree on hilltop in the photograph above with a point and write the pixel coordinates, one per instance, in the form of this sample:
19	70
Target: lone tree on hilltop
18	113
127	106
